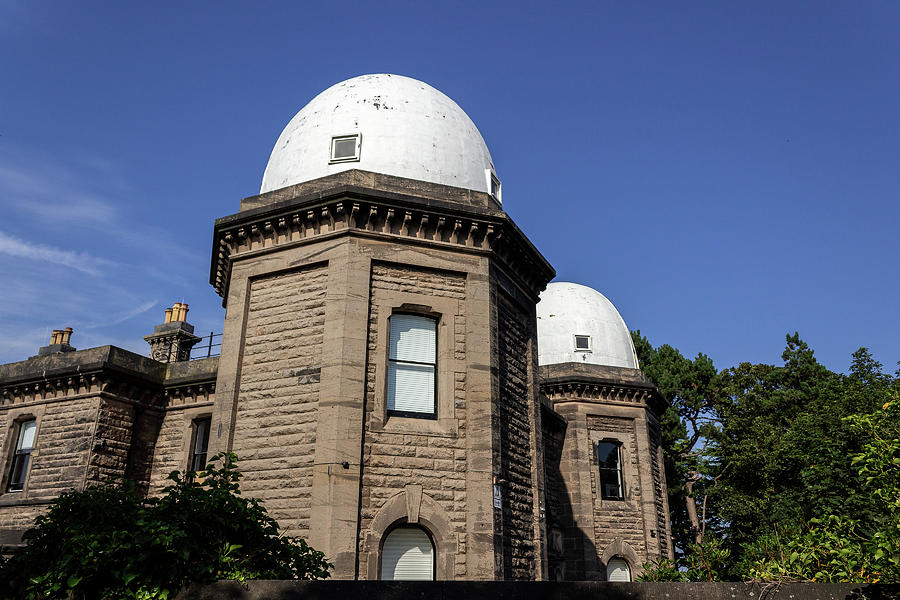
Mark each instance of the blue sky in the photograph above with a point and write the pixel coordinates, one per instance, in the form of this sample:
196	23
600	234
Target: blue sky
725	173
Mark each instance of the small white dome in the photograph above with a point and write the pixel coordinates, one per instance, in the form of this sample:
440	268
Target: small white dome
576	323
400	126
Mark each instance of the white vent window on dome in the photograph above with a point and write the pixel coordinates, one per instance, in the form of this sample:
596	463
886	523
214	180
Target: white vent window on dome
582	343
494	185
345	148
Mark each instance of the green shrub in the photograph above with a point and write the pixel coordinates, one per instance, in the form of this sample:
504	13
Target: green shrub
109	543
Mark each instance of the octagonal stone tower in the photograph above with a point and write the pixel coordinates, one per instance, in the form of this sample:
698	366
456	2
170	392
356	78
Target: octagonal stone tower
379	365
603	455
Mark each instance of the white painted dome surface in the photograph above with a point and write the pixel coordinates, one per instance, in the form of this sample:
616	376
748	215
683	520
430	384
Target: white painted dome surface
567	310
407	128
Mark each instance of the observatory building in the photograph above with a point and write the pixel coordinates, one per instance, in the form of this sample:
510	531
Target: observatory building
401	385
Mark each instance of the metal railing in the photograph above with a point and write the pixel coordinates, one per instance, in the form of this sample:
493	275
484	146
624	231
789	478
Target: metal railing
207	346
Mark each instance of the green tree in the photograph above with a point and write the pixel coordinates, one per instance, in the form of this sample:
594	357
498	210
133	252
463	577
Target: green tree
768	457
789	447
691	387
109	543
838	547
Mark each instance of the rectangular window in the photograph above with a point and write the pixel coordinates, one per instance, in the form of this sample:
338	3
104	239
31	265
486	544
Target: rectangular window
609	455
412	366
200	444
582	343
22	456
345	148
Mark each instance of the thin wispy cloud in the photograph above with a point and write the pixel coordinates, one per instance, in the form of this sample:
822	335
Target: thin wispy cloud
117	319
81	261
81	191
52	197
62	218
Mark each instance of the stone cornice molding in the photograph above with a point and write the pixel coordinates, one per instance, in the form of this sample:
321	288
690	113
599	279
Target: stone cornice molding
190	394
109	372
577	382
592	392
366	212
105	382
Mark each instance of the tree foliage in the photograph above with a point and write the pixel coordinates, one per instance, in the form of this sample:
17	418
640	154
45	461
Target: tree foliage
838	547
691	386
109	543
783	466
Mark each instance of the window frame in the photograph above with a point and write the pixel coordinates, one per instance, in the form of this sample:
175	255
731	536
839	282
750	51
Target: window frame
433	415
494	185
16	452
590	345
446	310
357	137
192	449
619	470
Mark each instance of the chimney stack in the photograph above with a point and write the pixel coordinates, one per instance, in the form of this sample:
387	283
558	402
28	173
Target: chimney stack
172	340
59	342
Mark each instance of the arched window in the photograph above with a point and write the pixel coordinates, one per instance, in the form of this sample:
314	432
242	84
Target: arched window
618	570
407	554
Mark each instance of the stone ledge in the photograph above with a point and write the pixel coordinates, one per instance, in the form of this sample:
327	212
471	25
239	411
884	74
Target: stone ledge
81	362
540	590
389	184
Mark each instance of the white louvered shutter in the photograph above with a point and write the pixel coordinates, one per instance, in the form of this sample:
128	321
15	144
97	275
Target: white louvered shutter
617	570
407	554
413	354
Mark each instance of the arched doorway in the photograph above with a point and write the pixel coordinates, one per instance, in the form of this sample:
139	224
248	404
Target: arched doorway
407	554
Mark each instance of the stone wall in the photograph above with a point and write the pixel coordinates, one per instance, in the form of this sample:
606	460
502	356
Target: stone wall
162	435
657	470
98	414
58	462
112	441
275	432
407	452
147	422
170	433
618	519
62	447
516	522
526	590
559	509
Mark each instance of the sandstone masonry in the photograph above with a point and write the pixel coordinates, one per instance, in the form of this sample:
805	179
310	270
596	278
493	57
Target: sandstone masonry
501	476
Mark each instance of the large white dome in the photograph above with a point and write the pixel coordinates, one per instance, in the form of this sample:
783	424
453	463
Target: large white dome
569	310
400	126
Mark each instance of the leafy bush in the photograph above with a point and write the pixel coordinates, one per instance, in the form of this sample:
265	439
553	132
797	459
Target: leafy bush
838	548
109	543
702	562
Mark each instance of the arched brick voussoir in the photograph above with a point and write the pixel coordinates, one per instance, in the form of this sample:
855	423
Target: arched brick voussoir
621	548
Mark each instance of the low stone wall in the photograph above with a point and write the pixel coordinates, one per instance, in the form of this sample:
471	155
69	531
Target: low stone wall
491	590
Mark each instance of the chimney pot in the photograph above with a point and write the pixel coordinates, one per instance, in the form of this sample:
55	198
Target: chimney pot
172	341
